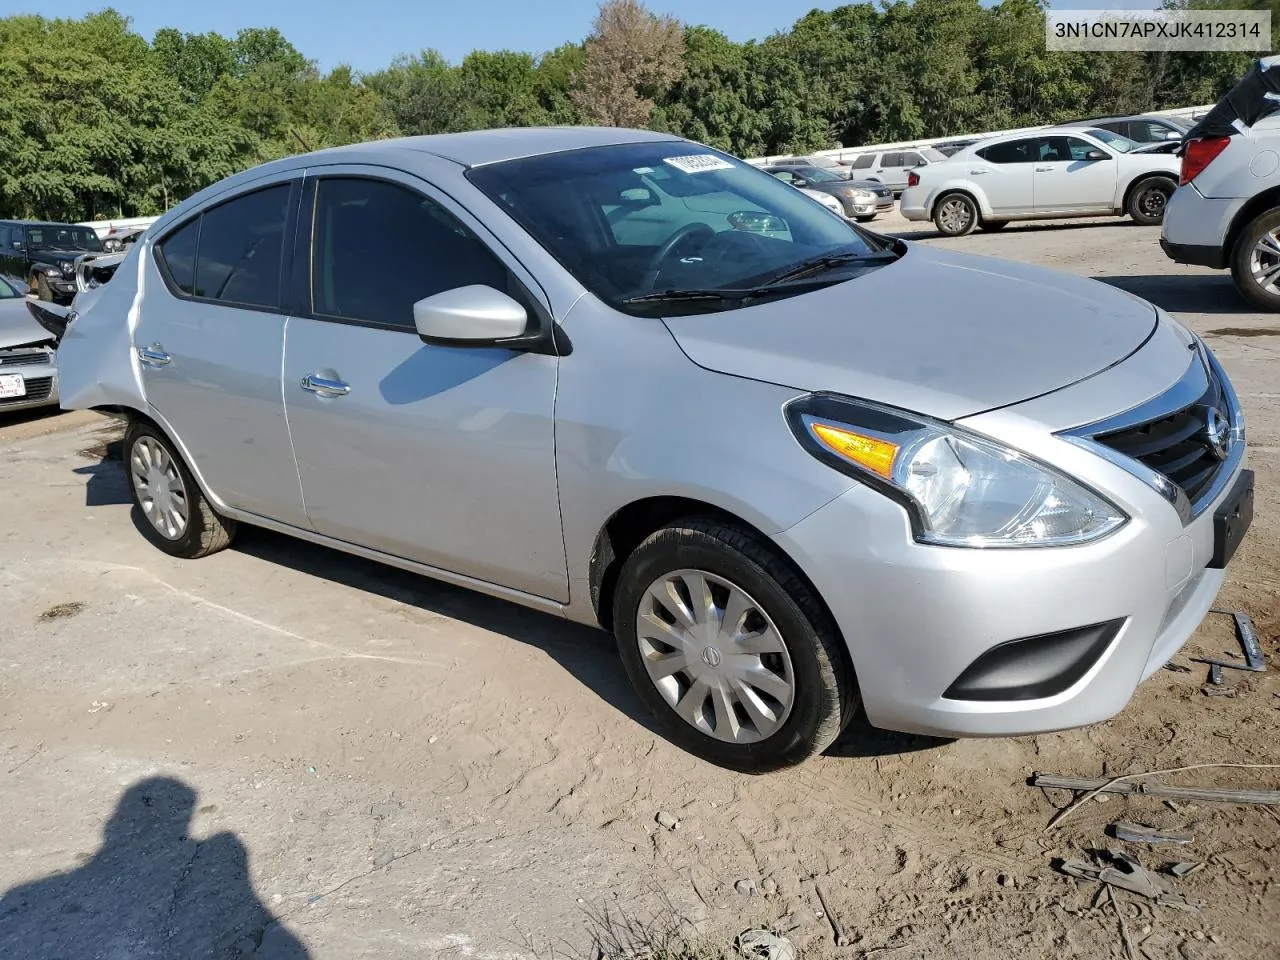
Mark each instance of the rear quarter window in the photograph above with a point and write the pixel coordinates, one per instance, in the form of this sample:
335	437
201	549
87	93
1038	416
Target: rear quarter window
177	255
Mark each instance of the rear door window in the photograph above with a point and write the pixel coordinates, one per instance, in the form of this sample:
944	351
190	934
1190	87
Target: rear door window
864	161
240	247
1012	151
891	160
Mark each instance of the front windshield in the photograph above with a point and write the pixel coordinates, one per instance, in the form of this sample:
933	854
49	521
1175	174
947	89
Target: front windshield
640	219
1115	141
56	237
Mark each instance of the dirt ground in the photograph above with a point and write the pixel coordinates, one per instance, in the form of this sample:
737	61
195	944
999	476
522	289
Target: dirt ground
282	751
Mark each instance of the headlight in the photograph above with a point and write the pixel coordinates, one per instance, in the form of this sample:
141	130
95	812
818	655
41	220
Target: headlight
961	489
68	268
862	194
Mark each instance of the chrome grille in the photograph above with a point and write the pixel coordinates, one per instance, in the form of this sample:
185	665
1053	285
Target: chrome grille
1179	444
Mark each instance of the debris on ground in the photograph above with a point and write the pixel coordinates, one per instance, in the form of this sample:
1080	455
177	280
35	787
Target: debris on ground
665	819
1127	874
762	945
746	888
1138	833
837	929
1254	661
1123	784
1211	690
1185	868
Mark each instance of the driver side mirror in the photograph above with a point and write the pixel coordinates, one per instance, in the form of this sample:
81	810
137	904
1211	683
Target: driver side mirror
1096	155
474	316
799	182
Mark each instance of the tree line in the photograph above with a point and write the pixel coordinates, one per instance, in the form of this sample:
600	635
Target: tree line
97	122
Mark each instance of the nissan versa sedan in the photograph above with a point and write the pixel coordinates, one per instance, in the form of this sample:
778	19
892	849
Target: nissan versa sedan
631	380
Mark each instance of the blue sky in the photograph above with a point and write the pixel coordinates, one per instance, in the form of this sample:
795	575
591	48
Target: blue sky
367	33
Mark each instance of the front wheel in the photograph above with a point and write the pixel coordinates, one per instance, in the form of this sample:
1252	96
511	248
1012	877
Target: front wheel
1255	261
171	511
730	649
1148	200
955	215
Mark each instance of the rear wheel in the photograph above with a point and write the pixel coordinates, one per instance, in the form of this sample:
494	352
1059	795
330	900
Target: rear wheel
172	513
992	225
1148	200
955	215
1255	261
730	649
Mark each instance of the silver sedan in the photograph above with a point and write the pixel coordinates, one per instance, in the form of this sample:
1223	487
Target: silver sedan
795	467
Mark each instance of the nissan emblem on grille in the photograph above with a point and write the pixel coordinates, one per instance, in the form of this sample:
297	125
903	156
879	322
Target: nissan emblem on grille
1217	433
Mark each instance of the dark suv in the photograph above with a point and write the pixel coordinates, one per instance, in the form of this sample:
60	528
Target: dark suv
43	255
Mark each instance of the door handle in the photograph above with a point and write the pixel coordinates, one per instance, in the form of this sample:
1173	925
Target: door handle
324	387
1044	169
976	173
153	356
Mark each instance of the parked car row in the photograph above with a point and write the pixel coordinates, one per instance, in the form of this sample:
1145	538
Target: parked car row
860	200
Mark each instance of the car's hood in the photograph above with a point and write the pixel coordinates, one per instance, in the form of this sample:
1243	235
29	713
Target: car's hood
18	328
944	334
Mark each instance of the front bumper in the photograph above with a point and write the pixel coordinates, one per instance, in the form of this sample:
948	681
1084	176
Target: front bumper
40	380
917	618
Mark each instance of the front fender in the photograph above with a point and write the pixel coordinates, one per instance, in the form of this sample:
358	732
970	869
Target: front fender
48	269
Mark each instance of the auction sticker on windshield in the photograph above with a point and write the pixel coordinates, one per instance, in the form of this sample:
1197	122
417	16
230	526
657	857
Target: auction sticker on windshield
12	385
698	163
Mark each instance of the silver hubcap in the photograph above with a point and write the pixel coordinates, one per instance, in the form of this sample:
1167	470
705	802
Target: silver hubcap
955	215
1264	261
715	656
159	487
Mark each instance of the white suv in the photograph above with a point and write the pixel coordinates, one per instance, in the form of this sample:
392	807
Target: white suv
1226	213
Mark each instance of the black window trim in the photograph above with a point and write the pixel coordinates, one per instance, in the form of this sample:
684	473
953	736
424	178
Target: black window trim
304	245
282	308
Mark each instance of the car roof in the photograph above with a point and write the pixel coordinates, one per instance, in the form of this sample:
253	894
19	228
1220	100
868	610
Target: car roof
43	223
479	147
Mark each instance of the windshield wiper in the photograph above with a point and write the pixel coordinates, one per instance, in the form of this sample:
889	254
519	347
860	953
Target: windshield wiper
827	261
684	296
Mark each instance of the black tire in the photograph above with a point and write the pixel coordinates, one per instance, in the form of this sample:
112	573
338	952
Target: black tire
205	532
42	288
1148	199
1242	261
866	219
955	214
991	226
824	693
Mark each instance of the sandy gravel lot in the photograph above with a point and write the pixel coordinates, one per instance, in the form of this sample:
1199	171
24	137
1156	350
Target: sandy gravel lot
282	751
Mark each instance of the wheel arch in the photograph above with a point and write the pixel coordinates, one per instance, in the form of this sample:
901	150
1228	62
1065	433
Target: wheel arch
631	524
129	414
963	187
1268	199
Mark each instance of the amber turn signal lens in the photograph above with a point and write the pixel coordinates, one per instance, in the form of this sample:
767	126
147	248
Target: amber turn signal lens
871	453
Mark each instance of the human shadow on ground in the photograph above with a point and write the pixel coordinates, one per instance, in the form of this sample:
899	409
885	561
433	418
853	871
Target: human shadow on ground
151	891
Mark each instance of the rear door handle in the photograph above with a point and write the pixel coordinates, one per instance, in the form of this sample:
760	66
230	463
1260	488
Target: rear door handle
325	387
976	173
1044	169
153	356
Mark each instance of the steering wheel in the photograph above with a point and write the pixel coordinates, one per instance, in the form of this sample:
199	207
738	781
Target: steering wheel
681	236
